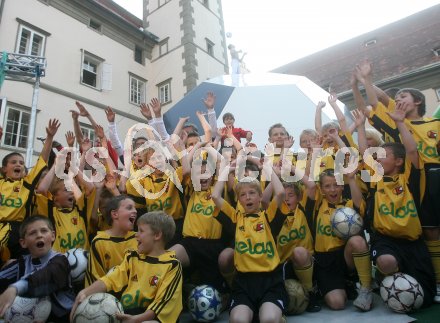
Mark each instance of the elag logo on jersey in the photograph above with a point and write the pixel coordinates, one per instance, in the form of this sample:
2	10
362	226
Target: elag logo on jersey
431	134
259	227
153	280
398	190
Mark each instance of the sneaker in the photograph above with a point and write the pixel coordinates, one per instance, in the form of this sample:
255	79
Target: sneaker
364	301
314	305
437	296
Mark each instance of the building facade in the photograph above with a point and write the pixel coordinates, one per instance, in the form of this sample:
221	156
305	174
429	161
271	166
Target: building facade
405	53
101	55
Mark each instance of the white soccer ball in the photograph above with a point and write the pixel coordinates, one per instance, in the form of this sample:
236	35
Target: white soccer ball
298	297
77	258
401	293
346	222
204	303
98	308
28	310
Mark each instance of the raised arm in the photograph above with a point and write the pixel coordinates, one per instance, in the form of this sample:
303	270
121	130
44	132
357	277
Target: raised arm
209	102
365	70
219	186
355	190
398	115
51	131
84	113
359	122
339	115
158	123
318	117
113	132
205	125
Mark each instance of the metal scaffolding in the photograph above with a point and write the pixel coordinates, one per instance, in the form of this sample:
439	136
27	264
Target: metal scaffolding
25	68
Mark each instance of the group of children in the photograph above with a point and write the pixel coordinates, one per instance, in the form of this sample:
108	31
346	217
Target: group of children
171	210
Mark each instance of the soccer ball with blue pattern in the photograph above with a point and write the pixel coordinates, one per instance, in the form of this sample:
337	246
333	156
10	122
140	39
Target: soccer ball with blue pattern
204	303
346	222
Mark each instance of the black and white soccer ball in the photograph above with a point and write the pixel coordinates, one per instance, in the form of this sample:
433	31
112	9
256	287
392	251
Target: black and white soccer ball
298	297
77	258
98	308
346	222
28	310
204	303
401	293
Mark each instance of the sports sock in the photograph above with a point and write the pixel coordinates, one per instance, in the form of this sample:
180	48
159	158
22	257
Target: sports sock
434	252
305	276
362	263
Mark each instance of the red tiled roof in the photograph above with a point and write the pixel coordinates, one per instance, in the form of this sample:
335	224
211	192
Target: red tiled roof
402	46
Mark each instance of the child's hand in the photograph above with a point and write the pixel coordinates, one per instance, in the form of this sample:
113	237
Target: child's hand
320	105
184	119
75	114
332	98
99	131
70	138
79	299
110	182
357	75
82	110
110	114
364	68
359	118
126	318
155	106
146	112
399	113
209	100
52	127
6	299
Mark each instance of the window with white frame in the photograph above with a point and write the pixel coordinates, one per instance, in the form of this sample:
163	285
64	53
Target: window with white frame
87	132
16	128
30	42
96	73
165	92
137	90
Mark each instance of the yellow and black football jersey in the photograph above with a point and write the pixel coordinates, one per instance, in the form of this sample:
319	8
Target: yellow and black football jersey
16	197
295	231
164	194
199	219
255	249
325	239
106	252
149	283
396	199
71	224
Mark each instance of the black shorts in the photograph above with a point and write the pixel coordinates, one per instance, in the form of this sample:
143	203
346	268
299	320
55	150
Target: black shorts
412	258
254	289
289	271
203	257
430	207
331	270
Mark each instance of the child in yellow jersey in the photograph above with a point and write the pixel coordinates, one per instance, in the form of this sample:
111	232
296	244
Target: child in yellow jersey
258	287
150	278
108	248
334	257
70	211
164	188
425	132
202	240
396	244
17	190
295	242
